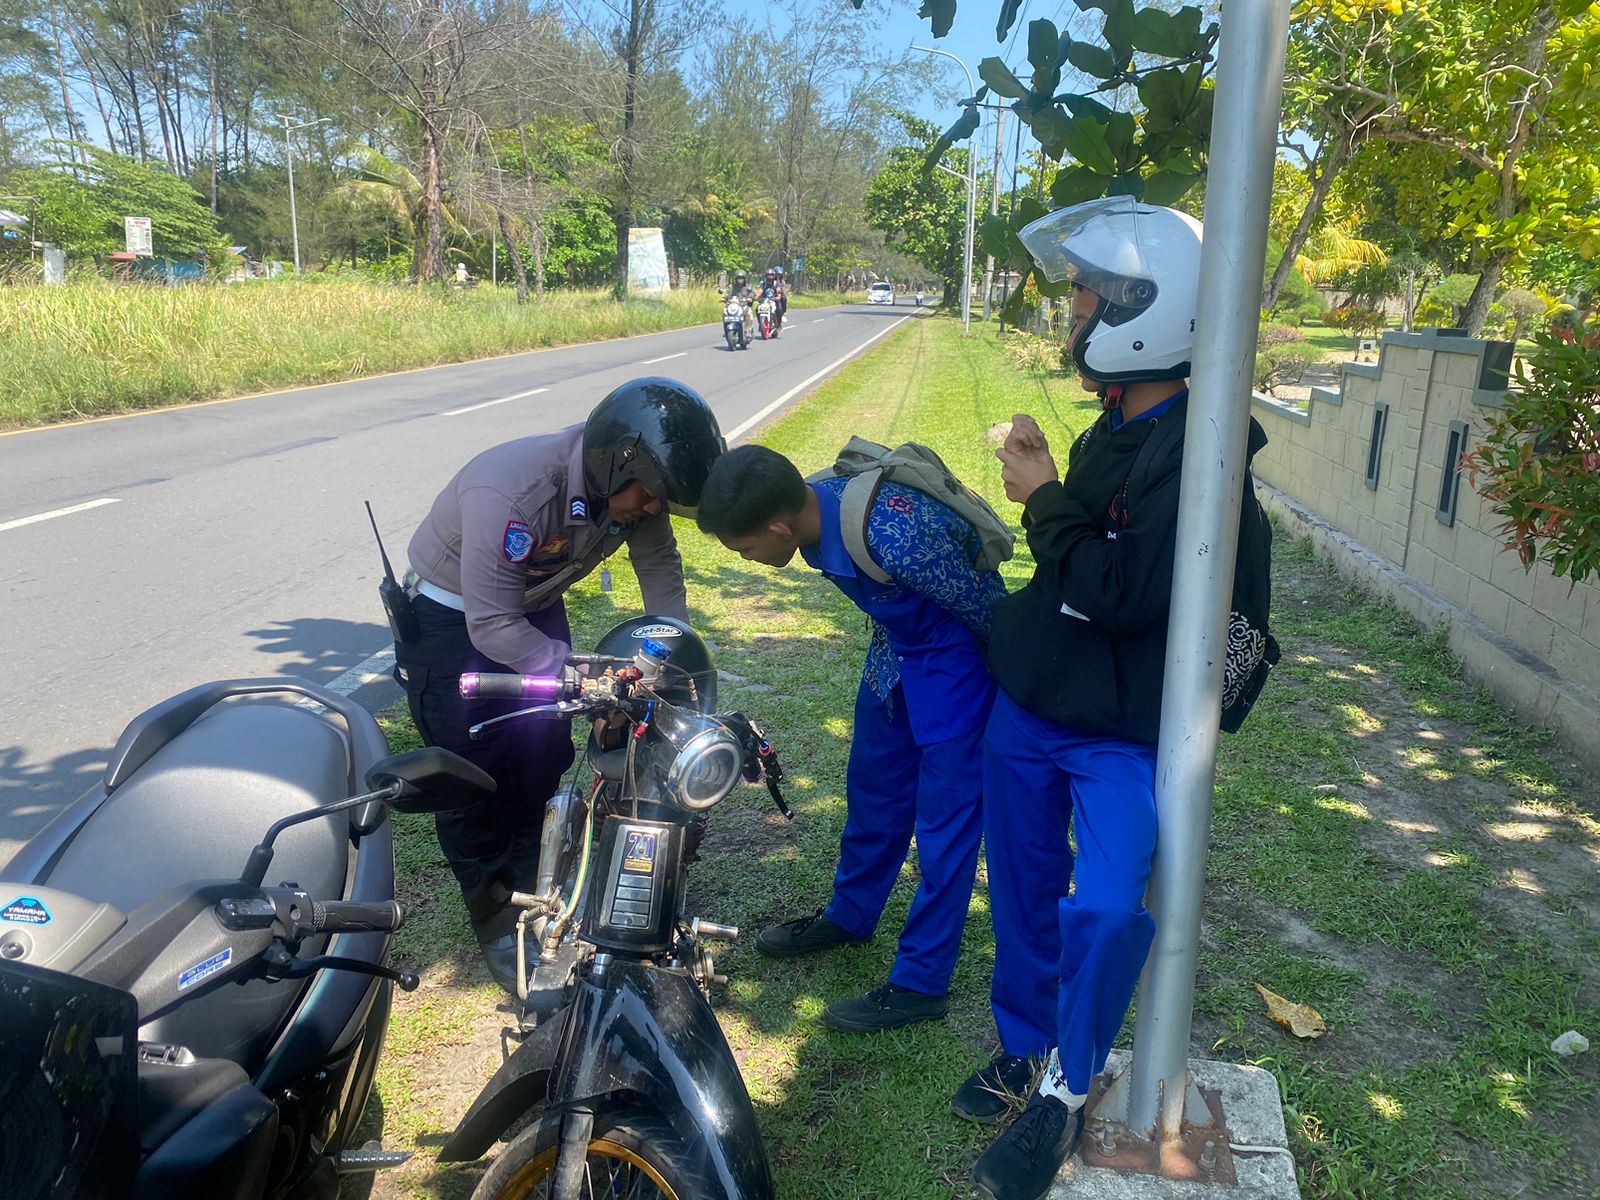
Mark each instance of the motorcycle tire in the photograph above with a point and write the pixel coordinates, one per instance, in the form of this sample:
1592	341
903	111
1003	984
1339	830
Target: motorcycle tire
632	1153
728	333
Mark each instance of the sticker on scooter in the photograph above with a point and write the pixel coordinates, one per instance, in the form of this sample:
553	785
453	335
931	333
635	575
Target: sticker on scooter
205	970
639	852
656	631
26	910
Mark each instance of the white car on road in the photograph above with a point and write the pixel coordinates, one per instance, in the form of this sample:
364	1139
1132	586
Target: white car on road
881	293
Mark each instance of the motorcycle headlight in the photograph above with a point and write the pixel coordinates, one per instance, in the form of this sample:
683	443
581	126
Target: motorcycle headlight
706	768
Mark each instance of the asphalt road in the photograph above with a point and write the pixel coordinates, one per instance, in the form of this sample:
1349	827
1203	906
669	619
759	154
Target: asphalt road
142	555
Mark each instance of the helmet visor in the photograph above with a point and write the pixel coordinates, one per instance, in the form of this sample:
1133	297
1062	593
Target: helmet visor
1097	245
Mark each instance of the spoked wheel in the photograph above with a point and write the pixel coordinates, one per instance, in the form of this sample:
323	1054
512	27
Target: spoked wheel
632	1156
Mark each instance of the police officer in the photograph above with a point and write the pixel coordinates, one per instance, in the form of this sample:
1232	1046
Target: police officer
519	525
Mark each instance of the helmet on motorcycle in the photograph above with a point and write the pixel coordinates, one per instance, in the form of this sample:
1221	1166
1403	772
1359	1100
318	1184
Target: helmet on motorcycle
779	271
741	276
657	431
1143	261
690	679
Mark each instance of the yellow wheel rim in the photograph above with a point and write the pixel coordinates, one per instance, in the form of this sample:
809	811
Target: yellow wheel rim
538	1169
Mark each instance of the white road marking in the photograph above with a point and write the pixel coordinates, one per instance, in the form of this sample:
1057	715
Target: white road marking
746	426
456	412
819	320
379	666
649	361
58	512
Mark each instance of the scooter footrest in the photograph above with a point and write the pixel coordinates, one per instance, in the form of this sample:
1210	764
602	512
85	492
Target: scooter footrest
371	1157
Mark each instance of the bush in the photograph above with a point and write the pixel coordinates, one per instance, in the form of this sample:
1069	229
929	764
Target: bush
1539	463
1038	355
1285	363
1276	334
1354	319
1311	310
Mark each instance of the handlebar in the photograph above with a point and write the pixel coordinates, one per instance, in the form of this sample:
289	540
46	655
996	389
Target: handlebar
498	686
355	916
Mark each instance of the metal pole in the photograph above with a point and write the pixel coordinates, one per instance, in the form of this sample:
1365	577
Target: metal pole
294	220
1249	95
972	195
494	256
994	207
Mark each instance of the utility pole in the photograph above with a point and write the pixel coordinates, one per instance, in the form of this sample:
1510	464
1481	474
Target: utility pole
971	178
994	206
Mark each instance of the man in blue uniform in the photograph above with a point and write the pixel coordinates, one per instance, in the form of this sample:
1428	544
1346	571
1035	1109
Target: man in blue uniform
919	714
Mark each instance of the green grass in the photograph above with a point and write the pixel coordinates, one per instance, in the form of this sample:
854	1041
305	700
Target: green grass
94	348
1359	863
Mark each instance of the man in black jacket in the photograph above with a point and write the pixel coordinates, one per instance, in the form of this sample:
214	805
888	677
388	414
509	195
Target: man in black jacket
1079	655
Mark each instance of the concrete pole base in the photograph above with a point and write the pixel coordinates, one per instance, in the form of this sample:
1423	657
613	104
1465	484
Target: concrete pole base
1257	1144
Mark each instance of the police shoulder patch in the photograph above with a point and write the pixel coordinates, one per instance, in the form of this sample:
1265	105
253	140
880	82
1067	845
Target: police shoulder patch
518	542
580	509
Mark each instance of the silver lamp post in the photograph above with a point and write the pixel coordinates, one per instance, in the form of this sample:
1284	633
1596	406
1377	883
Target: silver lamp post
288	158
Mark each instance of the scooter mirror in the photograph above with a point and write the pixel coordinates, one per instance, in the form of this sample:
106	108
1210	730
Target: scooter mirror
431	780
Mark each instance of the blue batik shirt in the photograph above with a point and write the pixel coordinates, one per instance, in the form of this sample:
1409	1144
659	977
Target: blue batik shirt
929	627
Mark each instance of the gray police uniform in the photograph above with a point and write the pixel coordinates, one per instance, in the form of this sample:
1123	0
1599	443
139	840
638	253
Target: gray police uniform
489	565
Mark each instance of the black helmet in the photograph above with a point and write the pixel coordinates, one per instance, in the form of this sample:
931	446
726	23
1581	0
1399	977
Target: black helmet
657	431
741	274
690	679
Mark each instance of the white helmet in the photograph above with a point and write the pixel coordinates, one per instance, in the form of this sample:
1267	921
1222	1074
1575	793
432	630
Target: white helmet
1143	261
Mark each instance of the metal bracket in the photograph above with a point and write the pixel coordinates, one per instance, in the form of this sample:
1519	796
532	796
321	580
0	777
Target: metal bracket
1199	1153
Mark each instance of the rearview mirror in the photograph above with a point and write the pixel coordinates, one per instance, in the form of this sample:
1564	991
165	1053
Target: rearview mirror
431	780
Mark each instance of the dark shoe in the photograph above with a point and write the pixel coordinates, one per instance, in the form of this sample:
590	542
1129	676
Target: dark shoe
500	956
887	1007
1025	1159
804	935
991	1092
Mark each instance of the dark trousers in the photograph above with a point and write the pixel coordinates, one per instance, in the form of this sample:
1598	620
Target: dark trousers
492	846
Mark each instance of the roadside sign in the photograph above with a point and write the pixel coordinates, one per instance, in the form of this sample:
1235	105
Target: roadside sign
138	234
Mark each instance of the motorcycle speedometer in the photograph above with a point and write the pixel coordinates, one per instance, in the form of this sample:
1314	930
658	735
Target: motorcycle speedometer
706	768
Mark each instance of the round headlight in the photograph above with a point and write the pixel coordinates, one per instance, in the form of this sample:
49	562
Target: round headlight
706	768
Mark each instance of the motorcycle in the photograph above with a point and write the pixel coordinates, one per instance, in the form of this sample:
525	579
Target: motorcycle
767	317
170	1026
623	1084
736	324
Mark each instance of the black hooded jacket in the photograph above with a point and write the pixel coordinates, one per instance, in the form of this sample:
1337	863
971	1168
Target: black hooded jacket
1084	644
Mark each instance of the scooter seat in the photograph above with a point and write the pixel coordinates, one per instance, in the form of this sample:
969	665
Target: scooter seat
193	812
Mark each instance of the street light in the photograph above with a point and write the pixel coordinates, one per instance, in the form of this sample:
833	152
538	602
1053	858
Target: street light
971	179
288	158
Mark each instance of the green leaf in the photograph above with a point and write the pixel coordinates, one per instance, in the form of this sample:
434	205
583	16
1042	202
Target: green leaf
993	234
998	77
1012	310
1086	142
1084	106
1028	211
1162	92
966	125
942	13
1074	185
1120	132
1054	290
1092	60
1008	16
1044	53
1173	35
1050	129
1128	184
1118	30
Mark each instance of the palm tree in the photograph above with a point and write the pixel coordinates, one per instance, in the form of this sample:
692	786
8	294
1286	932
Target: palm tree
387	184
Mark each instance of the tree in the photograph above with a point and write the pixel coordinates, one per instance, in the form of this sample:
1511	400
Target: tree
922	212
82	208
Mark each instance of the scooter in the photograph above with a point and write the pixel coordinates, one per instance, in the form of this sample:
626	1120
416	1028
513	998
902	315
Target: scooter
767	317
623	1084
172	1026
736	324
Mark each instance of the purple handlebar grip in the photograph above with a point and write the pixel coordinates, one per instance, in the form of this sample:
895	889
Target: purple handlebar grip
478	686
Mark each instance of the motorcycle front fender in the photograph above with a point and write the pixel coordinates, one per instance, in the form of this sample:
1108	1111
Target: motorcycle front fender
521	1085
650	1033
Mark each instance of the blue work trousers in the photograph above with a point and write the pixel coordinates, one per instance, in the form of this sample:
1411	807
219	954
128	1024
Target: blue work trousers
1065	965
895	788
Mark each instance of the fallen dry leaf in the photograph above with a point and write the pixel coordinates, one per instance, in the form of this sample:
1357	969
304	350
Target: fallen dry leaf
1299	1019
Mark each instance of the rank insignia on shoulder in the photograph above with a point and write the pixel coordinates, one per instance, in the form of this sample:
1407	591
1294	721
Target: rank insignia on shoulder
580	509
518	542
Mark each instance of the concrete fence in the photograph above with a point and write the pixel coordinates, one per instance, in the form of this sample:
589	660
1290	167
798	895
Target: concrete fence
1371	472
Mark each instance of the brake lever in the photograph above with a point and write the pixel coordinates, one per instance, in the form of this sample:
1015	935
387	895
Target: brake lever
280	964
562	708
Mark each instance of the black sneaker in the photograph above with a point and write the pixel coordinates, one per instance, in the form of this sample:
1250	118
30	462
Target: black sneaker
991	1092
804	935
887	1007
1025	1159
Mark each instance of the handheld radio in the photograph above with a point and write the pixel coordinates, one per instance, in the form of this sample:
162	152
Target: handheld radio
396	603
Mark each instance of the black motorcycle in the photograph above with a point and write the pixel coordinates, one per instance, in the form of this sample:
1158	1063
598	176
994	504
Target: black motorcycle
171	1027
623	1085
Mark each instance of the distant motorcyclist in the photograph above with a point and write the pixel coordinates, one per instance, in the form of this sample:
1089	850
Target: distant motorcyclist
772	286
741	289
